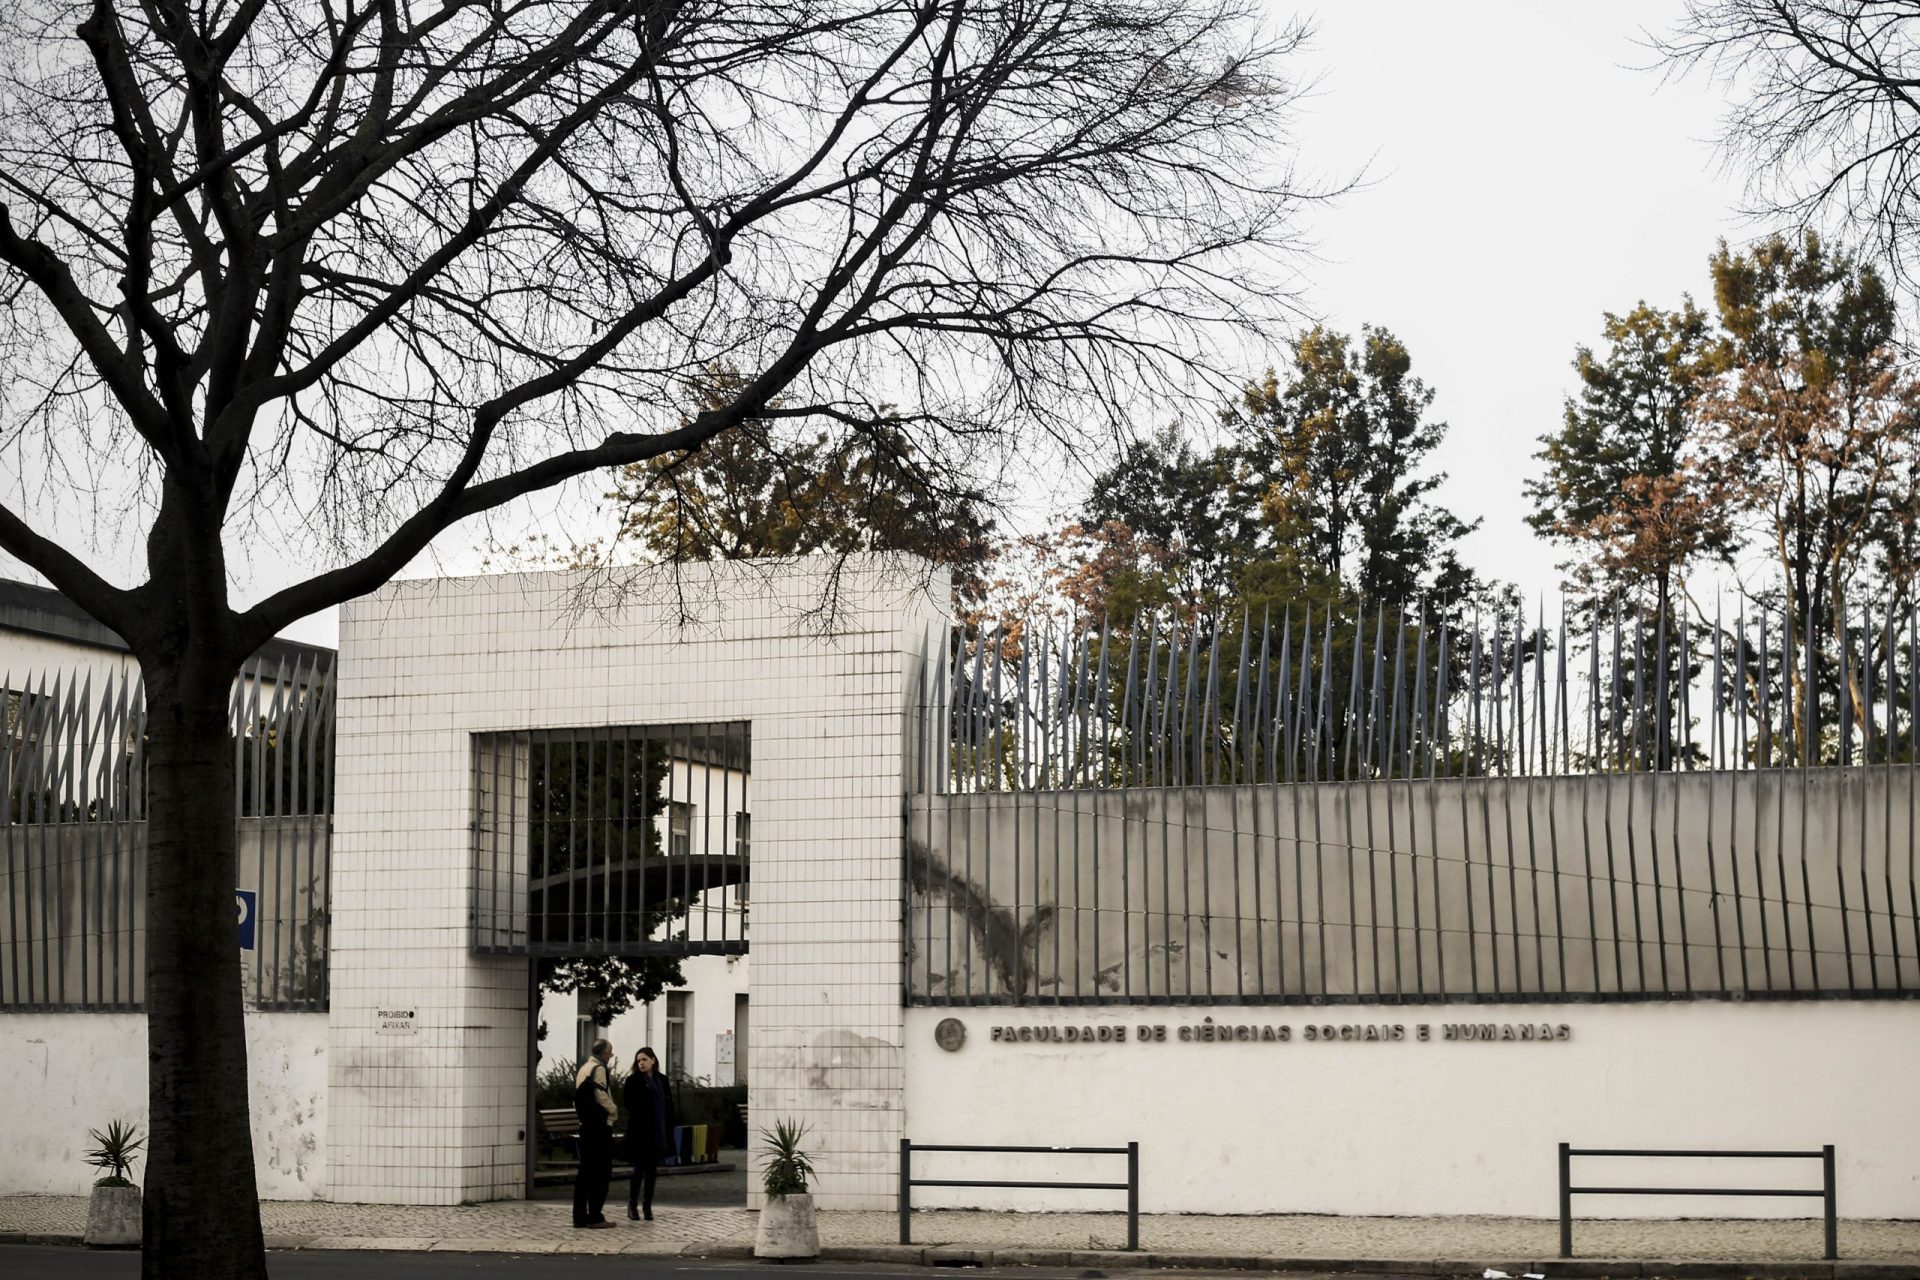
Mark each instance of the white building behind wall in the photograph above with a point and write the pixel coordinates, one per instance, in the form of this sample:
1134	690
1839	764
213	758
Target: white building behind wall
701	1029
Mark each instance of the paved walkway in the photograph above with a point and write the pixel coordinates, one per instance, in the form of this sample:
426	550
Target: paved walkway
543	1227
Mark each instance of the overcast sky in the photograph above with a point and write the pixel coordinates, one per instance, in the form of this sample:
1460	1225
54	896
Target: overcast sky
1529	175
1526	174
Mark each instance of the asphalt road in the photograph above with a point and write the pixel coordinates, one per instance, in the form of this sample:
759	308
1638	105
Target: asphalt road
29	1262
24	1262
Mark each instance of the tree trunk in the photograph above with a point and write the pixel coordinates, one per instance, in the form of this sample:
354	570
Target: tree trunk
202	1207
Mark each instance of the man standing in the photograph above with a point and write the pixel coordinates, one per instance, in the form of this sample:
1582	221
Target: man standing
593	1103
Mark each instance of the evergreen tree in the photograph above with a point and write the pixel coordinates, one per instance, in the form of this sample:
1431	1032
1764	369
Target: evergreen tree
773	487
1822	423
1626	487
1338	457
1187	508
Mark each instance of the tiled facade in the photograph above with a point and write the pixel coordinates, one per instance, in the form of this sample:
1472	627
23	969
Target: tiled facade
437	1116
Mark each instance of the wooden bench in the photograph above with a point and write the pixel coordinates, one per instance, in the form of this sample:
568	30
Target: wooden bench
558	1125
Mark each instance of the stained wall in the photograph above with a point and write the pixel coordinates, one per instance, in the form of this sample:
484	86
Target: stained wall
821	659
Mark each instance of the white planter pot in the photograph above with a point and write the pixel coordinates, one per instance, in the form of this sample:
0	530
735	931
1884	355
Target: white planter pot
787	1229
113	1218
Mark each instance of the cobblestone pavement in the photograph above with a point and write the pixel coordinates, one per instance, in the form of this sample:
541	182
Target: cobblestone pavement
532	1226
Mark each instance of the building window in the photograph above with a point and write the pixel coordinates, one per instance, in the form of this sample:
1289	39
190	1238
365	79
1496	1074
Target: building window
585	1029
676	1063
742	847
740	1028
679	828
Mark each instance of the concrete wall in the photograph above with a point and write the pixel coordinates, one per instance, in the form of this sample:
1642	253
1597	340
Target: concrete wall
1755	881
66	1073
429	1107
1405	1126
79	939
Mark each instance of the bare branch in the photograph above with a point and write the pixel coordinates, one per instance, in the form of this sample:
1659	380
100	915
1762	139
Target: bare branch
1825	115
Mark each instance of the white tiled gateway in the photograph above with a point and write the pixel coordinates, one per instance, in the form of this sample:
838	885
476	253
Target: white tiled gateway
432	1110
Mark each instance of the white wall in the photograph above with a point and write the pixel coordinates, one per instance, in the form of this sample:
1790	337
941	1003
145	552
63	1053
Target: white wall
1435	1127
66	1073
427	665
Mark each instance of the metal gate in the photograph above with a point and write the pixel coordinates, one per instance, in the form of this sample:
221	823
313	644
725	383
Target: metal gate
616	840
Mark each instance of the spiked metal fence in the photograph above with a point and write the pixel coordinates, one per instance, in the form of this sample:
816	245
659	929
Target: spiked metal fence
73	908
1363	807
614	840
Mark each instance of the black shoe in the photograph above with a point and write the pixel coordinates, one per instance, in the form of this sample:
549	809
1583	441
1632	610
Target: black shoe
649	1213
633	1214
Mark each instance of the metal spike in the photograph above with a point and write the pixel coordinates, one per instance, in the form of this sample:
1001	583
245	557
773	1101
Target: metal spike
1399	744
1282	689
1419	728
1352	716
1206	741
1131	733
1443	705
1765	725
1243	695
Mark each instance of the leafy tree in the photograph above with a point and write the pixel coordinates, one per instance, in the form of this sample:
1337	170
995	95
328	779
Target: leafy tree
1320	495
617	983
1187	505
370	271
1822	422
772	487
1625	485
1338	457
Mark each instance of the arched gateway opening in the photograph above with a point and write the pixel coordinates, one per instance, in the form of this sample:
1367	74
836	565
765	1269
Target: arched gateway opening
616	859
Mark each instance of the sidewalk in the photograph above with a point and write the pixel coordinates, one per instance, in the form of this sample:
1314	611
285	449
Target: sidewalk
1414	1246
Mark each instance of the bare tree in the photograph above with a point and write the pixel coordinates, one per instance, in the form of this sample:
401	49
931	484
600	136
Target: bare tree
363	269
1825	114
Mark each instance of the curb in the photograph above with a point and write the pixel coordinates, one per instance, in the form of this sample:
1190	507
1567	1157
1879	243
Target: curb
956	1256
1553	1269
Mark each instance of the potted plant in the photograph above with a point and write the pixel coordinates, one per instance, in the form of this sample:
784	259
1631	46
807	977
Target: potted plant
787	1227
113	1213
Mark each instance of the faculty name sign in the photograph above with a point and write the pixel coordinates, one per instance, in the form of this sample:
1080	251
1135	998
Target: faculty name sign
1210	1032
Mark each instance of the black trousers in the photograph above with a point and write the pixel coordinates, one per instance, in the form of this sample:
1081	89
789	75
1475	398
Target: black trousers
640	1191
596	1171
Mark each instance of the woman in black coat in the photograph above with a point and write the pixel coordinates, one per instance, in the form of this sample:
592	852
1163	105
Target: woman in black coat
649	1102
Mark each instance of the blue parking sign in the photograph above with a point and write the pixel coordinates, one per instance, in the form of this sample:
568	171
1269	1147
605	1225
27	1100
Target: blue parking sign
244	902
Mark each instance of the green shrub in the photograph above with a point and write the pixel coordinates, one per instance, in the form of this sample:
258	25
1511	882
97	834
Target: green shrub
114	1151
553	1087
787	1168
696	1103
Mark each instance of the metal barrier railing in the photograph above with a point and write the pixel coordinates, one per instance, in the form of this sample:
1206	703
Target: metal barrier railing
1568	1191
1131	1186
